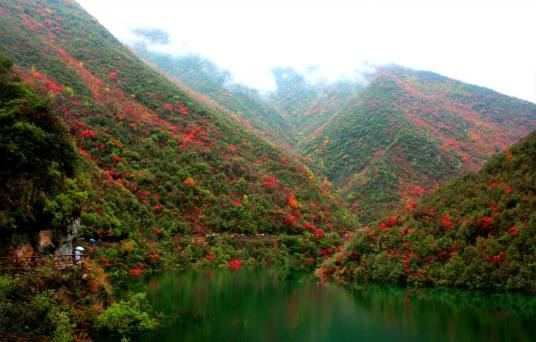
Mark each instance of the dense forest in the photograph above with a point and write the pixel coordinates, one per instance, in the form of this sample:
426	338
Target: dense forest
477	232
162	165
153	162
100	144
39	186
409	131
213	86
383	139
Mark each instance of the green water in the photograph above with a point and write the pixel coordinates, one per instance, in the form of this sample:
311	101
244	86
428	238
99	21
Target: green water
250	305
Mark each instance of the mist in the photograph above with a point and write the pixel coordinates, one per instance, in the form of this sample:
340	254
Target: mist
156	41
330	41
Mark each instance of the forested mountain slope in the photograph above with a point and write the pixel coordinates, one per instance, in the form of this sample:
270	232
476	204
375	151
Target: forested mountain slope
162	164
407	131
383	139
213	86
478	232
308	105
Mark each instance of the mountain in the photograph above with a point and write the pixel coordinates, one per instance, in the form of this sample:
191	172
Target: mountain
477	232
307	105
213	86
164	168
148	171
383	139
408	131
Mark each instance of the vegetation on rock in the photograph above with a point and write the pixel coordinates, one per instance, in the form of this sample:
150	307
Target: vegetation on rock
39	185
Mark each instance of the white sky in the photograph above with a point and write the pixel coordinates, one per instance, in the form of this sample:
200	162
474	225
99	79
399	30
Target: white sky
488	43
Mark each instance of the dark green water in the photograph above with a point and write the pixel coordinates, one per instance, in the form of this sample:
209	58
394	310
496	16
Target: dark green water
249	305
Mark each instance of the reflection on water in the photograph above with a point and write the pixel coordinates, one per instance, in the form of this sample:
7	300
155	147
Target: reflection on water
261	305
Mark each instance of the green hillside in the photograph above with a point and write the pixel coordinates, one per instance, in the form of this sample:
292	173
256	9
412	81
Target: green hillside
213	86
478	232
306	105
383	142
163	166
407	131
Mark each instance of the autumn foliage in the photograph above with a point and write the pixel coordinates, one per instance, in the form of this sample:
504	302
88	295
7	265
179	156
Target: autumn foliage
161	161
234	264
472	233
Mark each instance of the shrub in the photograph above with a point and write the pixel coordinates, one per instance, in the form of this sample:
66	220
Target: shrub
127	317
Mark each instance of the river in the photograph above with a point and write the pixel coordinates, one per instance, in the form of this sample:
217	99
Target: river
264	305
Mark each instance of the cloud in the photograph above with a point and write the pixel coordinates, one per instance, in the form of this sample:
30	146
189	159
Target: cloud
152	35
487	43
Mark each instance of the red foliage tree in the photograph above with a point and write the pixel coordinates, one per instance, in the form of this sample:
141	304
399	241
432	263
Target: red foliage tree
319	233
499	258
153	255
485	223
234	264
513	231
292	202
271	182
183	109
446	222
290	219
326	252
232	148
388	223
88	133
309	226
135	272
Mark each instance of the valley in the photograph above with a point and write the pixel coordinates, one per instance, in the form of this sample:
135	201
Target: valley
174	181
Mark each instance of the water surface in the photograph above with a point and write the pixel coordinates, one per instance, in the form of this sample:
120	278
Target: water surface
264	305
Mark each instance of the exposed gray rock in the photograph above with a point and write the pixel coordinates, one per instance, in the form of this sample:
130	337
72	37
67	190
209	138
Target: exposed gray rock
66	242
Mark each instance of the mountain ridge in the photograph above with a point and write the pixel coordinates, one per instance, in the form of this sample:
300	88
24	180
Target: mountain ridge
386	140
163	164
452	121
476	232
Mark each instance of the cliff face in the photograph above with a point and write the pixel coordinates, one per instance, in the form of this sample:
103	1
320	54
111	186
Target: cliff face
40	192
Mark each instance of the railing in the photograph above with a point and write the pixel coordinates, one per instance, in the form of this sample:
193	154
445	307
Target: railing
29	262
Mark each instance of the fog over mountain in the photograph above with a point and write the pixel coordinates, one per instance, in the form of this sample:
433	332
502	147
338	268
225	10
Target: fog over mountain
339	37
179	170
